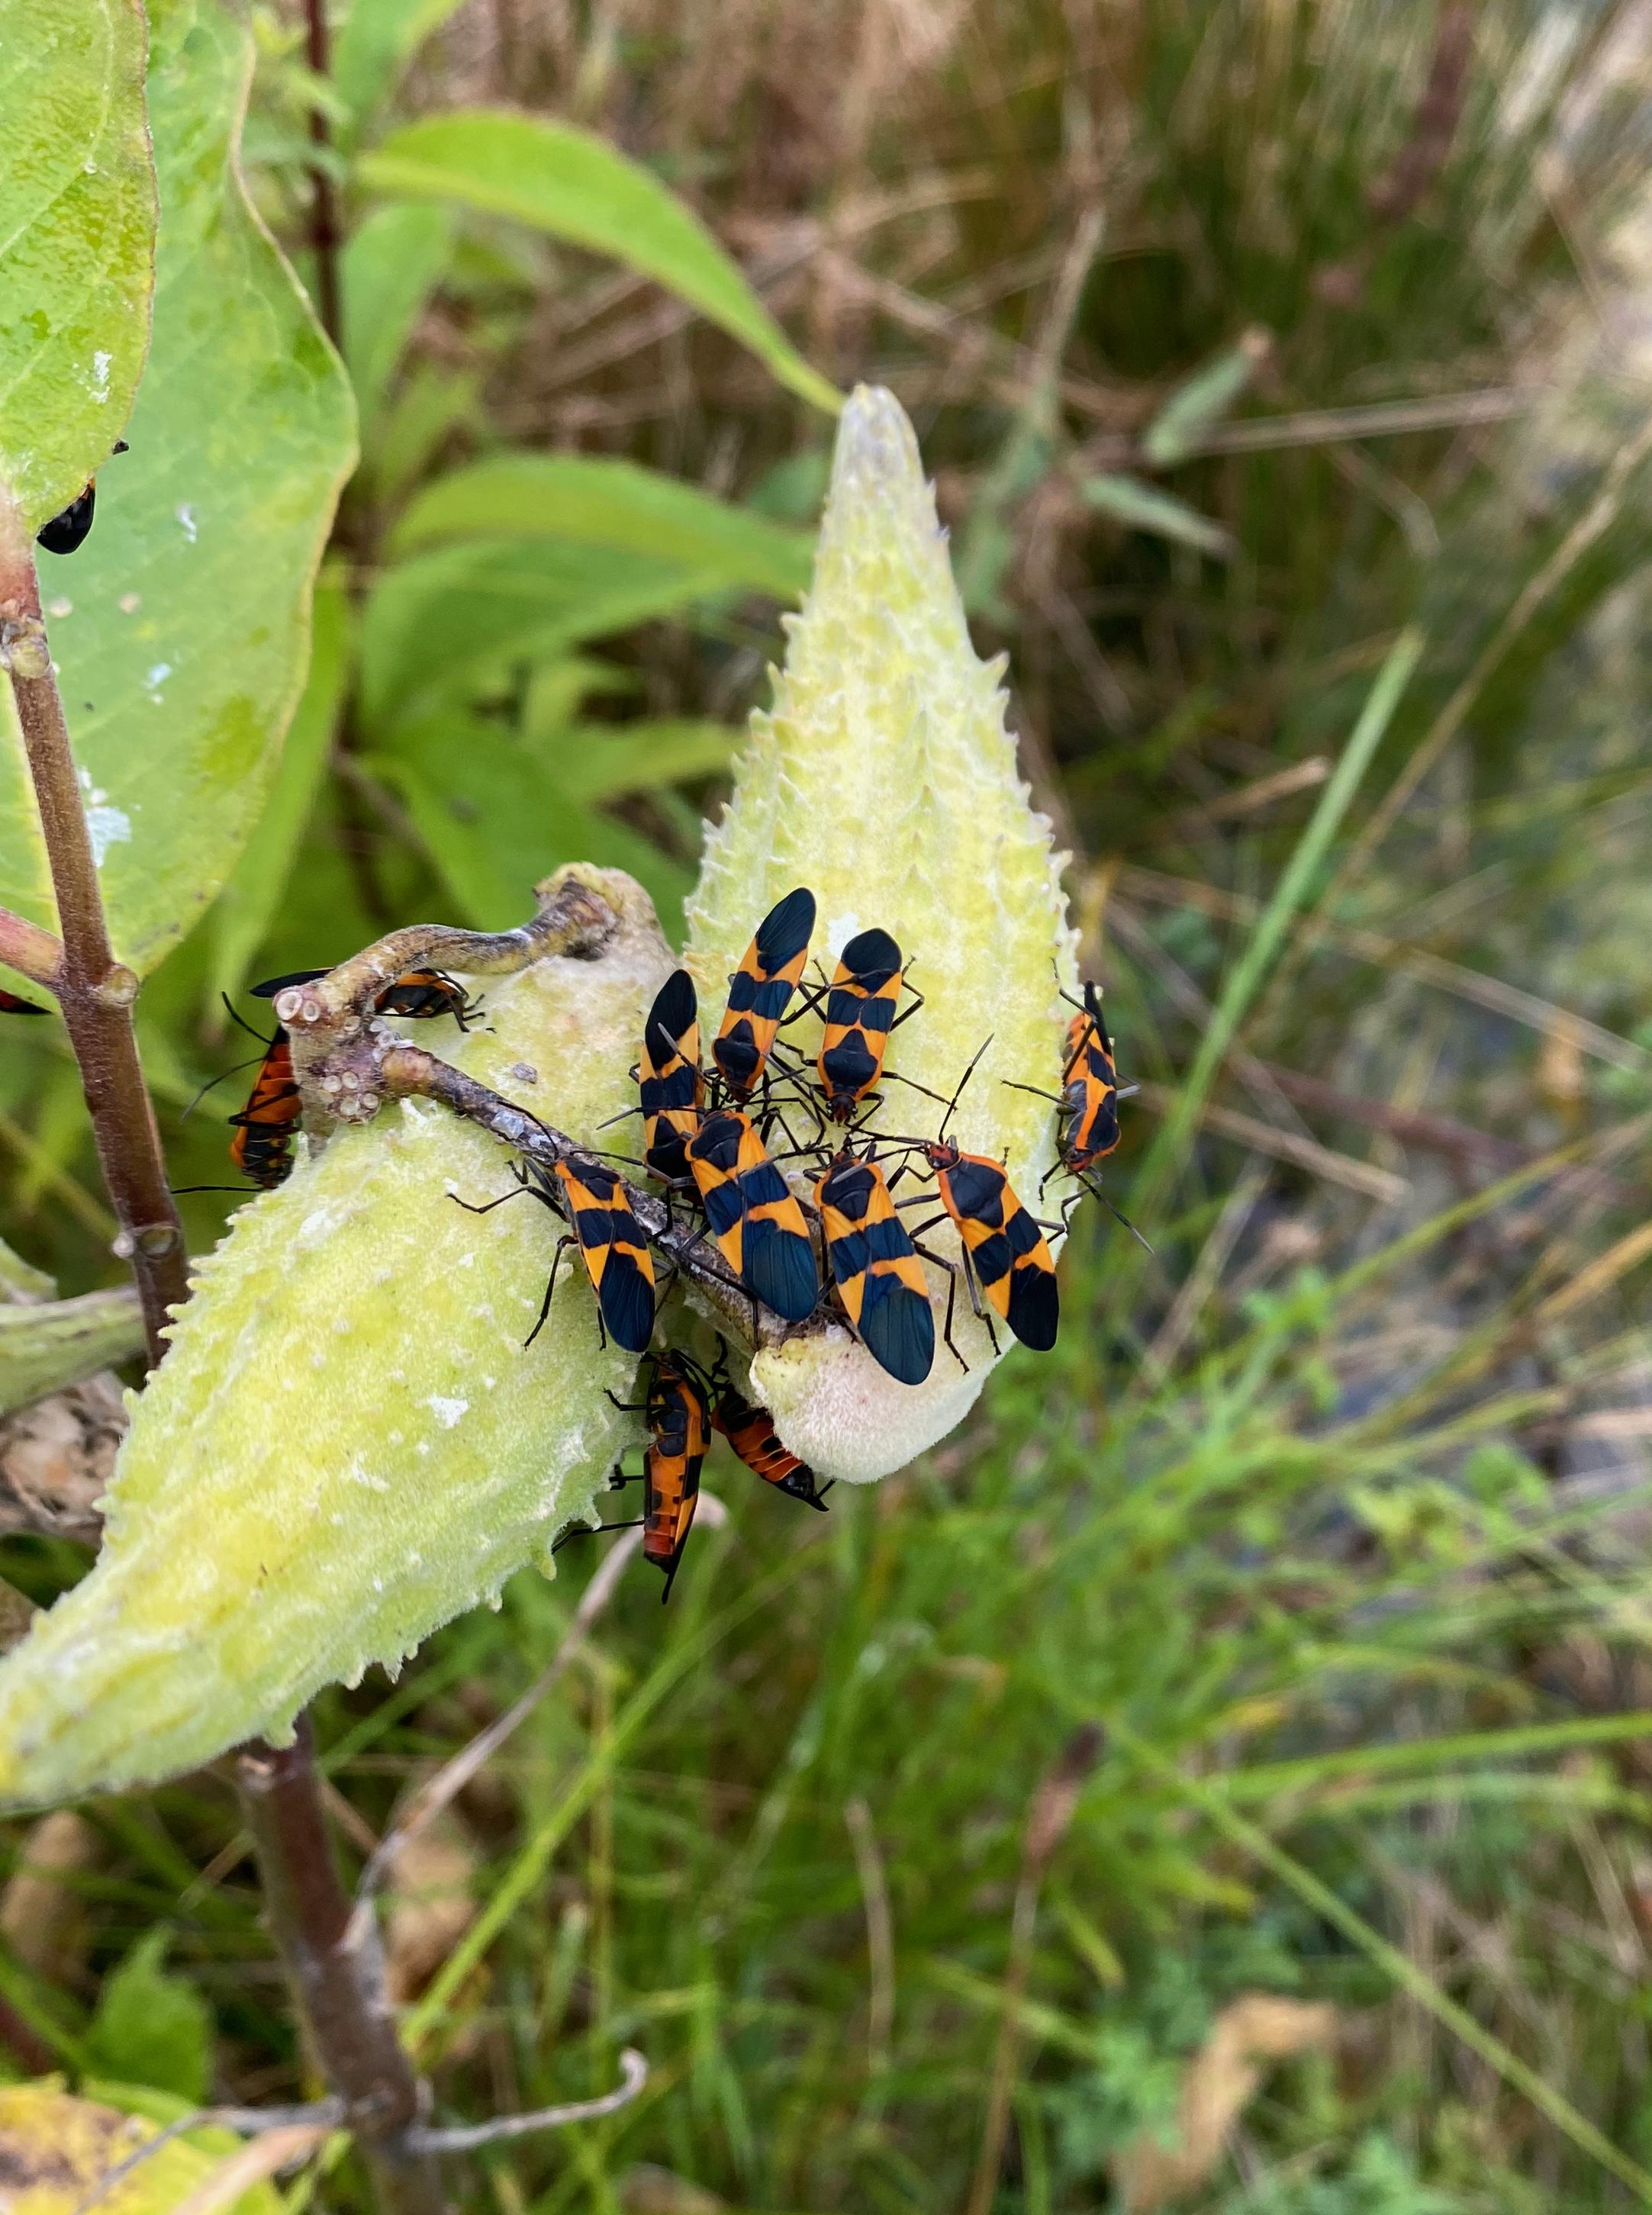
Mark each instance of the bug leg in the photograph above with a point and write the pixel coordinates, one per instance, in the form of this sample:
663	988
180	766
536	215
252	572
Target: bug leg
487	1206
594	1530
626	1407
917	1003
562	1245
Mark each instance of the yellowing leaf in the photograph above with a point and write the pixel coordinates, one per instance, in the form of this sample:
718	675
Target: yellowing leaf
77	241
347	1442
55	2150
182	626
885	780
576	187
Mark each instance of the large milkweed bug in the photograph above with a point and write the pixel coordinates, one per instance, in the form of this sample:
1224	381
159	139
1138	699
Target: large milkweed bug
750	1432
11	1005
670	1080
612	1243
678	1413
66	530
860	1014
1087	1106
875	1267
1005	1254
420	992
264	1129
760	992
753	1215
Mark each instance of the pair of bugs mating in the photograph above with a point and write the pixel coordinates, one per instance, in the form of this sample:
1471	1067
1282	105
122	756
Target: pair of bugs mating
683	1403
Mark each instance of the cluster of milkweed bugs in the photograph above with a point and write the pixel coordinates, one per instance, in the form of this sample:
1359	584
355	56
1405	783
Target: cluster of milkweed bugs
266	1127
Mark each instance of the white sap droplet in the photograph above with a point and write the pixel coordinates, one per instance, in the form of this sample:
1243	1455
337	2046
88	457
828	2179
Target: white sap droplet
99	361
59	608
447	1412
186	515
129	603
839	931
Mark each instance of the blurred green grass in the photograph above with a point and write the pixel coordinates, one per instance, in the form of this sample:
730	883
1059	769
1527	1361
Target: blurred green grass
1334	1514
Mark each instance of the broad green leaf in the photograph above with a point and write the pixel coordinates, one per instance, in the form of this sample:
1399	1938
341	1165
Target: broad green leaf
492	816
598	502
1144	507
391	264
47	1345
429	405
77	241
379	38
441	624
249	903
182	627
576	187
601	761
1207	396
150	2027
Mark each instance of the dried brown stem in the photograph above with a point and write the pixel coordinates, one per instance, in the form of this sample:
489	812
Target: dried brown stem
336	1974
325	236
95	991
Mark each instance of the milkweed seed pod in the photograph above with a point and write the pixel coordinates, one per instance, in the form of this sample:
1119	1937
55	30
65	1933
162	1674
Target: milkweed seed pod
346	1443
884	779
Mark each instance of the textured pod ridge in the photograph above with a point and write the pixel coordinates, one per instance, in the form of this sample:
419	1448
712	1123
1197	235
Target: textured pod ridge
347	1443
884	776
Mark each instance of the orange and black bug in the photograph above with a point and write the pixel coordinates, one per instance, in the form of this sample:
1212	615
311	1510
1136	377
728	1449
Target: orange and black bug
678	1413
1005	1252
11	1005
860	1014
670	1080
1090	1089
612	1243
875	1267
753	1214
750	1432
264	1129
760	992
420	992
66	530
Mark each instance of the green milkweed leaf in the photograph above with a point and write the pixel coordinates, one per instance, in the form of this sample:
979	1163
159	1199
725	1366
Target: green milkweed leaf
441	624
379	39
576	187
182	627
77	241
604	502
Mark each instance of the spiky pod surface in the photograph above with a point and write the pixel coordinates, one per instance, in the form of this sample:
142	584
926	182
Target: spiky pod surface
885	778
346	1443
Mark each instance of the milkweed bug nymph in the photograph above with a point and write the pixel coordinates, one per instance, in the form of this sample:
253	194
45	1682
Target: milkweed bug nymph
611	1242
66	530
753	1215
670	1081
875	1267
421	993
678	1413
11	1005
750	1432
760	992
860	1014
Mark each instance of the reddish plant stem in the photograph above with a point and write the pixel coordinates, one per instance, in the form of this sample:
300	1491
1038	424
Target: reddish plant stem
29	949
325	236
336	1973
95	991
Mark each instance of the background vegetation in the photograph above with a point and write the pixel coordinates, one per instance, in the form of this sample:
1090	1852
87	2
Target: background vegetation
1238	338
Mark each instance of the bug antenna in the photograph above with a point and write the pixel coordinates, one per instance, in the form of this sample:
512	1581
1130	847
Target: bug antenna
958	1093
212	1083
246	1026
